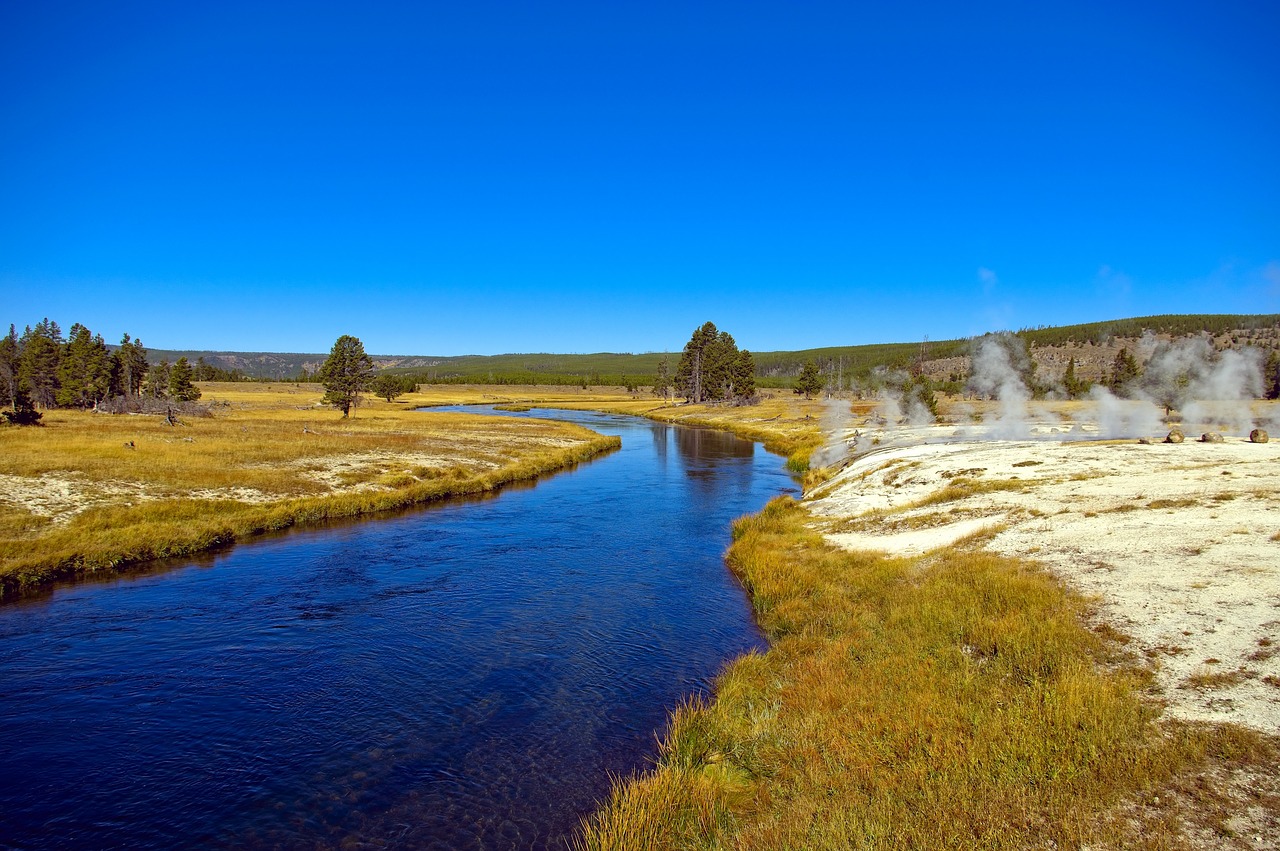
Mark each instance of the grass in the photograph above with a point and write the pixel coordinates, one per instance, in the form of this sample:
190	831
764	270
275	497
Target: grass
1213	679
785	423
88	492
956	701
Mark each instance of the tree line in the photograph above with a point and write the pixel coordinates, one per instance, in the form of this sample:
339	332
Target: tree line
42	368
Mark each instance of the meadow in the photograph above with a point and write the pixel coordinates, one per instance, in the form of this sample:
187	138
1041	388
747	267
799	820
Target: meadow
86	492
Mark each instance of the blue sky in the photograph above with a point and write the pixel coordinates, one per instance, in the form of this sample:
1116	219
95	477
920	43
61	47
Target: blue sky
488	177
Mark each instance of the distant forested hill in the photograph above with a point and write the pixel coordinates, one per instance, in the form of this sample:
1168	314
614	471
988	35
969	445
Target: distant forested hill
941	357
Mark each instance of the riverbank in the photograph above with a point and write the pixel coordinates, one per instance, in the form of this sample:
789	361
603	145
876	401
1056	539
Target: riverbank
786	423
929	685
87	493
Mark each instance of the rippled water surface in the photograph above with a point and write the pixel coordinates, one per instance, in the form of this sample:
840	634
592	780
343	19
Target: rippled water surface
463	676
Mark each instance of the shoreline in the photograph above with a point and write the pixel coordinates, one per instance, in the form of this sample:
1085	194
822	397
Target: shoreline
113	537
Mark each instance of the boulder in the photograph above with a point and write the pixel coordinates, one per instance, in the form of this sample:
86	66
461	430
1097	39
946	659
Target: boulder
1259	435
1211	437
1175	435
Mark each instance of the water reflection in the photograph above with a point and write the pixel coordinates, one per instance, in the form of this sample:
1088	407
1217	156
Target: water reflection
466	676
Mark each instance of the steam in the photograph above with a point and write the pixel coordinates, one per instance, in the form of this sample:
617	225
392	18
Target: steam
1223	394
997	359
897	409
1116	417
1211	391
837	417
1183	379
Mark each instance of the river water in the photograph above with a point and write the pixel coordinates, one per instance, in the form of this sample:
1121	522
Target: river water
467	675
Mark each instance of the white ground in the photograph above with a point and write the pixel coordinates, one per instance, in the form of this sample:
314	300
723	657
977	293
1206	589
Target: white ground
1179	543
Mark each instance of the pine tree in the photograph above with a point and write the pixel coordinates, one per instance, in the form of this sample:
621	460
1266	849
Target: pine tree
9	365
744	377
388	386
1070	383
346	373
1123	371
41	356
721	355
84	375
158	380
810	381
180	387
1271	375
24	412
131	367
662	381
691	372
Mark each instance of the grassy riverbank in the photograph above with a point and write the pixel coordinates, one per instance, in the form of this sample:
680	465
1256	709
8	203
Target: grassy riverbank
950	701
784	422
88	492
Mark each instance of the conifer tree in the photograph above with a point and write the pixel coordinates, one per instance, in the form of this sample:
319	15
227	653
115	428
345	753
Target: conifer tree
131	366
24	411
157	386
346	373
691	372
180	387
9	364
41	356
712	369
1070	383
1271	375
810	380
662	381
390	387
84	374
1123	371
744	376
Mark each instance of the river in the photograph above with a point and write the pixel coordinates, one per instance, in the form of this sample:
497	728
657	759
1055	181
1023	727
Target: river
467	675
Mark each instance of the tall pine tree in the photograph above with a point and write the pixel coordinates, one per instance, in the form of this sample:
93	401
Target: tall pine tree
1271	376
10	357
710	369
84	375
180	387
41	357
346	373
1124	371
158	380
662	380
810	381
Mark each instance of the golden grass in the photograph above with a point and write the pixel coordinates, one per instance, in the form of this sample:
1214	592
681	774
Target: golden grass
89	492
947	702
785	423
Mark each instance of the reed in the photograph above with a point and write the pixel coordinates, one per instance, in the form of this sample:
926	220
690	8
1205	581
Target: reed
951	701
87	492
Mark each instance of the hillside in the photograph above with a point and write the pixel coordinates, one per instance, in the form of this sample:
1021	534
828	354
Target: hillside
1093	345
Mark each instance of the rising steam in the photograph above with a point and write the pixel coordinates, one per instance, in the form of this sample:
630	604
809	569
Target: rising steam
1183	381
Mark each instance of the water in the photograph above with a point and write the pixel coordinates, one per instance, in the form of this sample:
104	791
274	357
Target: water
468	675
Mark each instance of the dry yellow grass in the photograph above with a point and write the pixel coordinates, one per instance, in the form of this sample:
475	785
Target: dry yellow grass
785	423
948	702
86	492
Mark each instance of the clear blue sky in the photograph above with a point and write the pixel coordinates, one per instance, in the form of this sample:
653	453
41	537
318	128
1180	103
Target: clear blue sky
484	177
